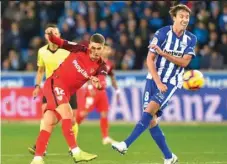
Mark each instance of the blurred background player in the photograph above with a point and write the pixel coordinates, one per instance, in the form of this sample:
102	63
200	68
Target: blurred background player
50	57
170	51
98	99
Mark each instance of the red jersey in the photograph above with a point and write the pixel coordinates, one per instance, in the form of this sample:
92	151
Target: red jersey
77	68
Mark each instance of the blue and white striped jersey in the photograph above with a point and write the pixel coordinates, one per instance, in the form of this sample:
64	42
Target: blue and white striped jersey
170	43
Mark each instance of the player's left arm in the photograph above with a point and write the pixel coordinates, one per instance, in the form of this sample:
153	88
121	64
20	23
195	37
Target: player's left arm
185	60
65	44
99	80
113	79
114	82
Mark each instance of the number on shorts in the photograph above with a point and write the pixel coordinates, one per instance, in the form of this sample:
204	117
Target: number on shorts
59	91
146	97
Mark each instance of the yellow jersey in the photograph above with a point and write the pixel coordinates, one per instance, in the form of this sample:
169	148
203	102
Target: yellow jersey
51	60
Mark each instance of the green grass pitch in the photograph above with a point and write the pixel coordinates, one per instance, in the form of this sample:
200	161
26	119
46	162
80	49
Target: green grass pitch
193	144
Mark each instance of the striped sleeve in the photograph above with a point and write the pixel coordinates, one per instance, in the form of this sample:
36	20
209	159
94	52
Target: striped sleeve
157	39
190	50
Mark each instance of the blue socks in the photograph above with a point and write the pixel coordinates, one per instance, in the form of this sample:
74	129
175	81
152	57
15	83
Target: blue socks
160	140
140	127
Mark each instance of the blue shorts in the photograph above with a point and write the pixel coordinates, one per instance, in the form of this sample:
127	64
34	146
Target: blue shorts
151	93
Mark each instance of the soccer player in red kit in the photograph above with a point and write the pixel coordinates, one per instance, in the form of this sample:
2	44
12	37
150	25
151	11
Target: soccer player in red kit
81	65
98	99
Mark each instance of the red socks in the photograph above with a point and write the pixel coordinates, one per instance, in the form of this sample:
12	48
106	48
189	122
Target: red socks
104	127
41	142
68	133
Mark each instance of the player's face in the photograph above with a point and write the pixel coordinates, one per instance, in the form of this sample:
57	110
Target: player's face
182	19
96	50
56	33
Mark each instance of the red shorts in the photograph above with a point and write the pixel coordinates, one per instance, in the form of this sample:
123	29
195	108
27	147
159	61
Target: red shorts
100	101
55	93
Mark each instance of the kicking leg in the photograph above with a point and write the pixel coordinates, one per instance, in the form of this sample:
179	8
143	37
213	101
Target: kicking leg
140	127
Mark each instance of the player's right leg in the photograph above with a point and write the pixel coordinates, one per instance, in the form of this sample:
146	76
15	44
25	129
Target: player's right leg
160	140
50	120
78	155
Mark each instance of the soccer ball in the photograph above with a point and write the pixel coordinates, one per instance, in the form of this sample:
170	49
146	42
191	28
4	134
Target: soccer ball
193	80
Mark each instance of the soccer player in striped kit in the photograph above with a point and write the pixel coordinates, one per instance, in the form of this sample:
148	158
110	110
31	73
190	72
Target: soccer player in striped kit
170	50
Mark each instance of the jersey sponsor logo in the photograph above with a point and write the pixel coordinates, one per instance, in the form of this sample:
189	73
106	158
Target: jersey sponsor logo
79	69
174	53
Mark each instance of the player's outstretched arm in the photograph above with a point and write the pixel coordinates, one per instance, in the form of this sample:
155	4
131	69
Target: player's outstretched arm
67	45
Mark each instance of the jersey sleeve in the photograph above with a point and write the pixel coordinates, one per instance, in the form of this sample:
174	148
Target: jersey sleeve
190	50
102	70
67	45
157	39
101	73
111	72
40	62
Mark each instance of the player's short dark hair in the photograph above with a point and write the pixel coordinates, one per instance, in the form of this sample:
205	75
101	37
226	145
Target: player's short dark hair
97	38
173	10
51	25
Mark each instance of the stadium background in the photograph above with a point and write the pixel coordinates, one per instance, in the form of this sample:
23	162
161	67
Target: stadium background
192	118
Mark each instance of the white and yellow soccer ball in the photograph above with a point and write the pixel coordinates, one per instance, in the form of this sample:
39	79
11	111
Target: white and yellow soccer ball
193	80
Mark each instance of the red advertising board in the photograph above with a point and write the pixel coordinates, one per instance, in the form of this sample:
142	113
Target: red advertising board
18	104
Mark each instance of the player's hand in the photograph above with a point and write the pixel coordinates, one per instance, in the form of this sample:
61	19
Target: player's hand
95	81
35	92
162	87
156	48
50	31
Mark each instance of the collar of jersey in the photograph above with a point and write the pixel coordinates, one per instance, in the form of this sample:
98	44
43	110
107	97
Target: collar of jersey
176	34
51	50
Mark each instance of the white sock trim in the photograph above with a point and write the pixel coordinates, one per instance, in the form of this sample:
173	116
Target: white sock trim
38	158
75	150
